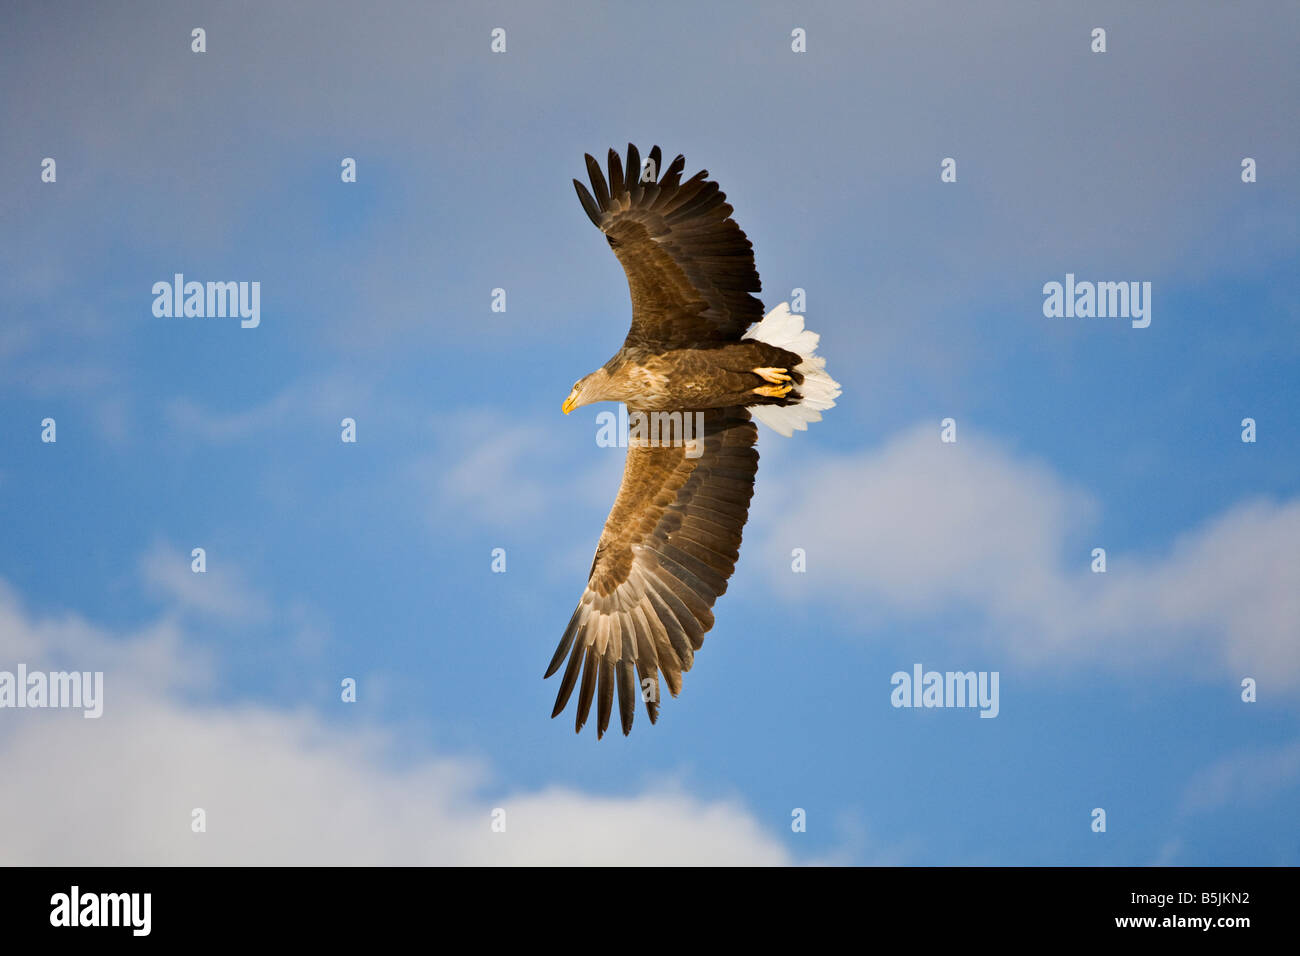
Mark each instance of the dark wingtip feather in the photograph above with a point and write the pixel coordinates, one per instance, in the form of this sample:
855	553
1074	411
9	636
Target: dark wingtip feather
615	163
588	203
565	642
673	175
604	696
567	682
632	172
588	688
626	695
657	157
597	182
651	706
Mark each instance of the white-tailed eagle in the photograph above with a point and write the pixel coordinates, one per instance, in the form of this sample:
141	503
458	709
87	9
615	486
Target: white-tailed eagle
690	357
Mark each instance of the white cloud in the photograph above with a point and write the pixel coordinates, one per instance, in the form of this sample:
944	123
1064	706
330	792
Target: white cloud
918	527
484	468
501	471
190	418
1169	852
285	787
222	590
323	400
155	657
1244	779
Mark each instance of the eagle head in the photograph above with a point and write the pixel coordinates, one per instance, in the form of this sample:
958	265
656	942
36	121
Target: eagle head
591	388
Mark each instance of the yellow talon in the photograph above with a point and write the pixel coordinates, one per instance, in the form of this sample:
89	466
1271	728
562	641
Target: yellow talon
774	375
773	391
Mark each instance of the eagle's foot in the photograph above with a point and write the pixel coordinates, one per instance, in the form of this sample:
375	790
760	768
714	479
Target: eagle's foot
772	391
774	375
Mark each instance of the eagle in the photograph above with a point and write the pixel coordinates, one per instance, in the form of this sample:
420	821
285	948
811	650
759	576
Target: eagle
703	360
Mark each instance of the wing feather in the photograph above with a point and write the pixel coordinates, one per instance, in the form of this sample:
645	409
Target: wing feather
605	695
597	182
690	268
569	679
656	161
632	175
588	689
666	554
626	671
615	163
588	203
647	665
566	641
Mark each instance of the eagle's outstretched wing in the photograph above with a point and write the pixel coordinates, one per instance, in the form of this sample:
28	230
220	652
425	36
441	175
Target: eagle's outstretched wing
669	545
689	267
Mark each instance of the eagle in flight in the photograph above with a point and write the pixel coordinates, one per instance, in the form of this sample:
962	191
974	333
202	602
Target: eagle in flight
700	351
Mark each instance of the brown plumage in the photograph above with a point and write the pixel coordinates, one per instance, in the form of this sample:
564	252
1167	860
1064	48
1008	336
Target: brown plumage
673	537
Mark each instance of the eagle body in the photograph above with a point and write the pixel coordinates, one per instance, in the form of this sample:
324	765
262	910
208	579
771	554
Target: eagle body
691	379
699	350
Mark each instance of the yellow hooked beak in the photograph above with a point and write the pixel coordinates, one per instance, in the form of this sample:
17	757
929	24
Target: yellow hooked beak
570	403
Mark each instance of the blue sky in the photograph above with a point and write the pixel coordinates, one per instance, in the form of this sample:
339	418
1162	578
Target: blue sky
373	560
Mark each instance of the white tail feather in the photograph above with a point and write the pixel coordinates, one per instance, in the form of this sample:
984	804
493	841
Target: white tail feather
785	330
